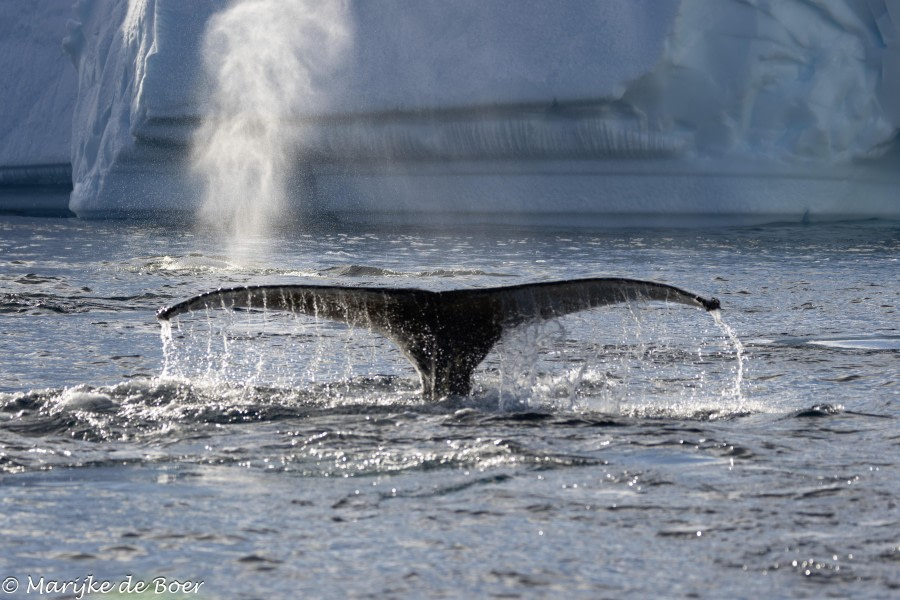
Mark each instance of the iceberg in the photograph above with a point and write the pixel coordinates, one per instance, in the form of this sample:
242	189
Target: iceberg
38	94
602	112
36	103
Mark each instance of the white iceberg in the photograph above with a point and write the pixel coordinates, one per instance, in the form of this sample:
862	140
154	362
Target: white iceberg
589	112
37	96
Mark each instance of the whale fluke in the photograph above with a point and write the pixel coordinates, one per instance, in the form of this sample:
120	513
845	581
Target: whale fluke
444	334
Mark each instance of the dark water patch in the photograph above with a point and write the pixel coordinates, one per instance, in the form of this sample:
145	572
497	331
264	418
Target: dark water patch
857	413
358	271
43	303
226	416
843	378
120	552
532	419
516	579
735	451
820	492
256	559
891	555
34	279
452	488
819	410
143	299
76	556
689	533
42	425
355	270
526	417
37	304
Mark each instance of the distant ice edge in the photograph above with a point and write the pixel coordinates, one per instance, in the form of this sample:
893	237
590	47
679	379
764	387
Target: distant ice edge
625	111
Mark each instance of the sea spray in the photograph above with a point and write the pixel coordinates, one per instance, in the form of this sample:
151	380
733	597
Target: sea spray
165	334
268	64
729	332
635	359
567	363
281	350
522	367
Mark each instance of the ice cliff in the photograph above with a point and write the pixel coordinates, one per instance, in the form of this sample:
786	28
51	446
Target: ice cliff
37	94
768	108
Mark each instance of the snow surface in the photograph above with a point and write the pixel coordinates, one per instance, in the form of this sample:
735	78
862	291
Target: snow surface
756	107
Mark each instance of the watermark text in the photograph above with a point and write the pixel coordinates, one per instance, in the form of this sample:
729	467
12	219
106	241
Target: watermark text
83	586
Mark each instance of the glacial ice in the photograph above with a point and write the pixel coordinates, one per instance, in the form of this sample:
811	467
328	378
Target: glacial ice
747	109
38	91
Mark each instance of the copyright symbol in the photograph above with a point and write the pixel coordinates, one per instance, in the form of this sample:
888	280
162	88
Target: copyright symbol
10	585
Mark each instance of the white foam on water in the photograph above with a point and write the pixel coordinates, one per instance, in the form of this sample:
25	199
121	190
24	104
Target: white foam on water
82	398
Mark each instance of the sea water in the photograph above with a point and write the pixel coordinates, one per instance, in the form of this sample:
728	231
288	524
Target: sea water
638	449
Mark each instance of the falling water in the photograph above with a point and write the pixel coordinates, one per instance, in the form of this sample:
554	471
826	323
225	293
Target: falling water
267	63
636	359
165	334
729	332
602	361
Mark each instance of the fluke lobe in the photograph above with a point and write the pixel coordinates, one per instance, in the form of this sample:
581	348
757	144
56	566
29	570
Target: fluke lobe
444	334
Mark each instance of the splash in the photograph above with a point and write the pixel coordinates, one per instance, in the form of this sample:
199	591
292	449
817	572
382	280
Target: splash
540	357
268	63
729	332
635	360
165	335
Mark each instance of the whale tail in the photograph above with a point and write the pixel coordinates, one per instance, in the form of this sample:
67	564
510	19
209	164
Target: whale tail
445	335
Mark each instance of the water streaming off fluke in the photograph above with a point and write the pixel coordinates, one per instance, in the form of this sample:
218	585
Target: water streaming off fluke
445	335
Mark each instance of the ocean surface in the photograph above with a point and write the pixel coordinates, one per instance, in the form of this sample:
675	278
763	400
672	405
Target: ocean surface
636	450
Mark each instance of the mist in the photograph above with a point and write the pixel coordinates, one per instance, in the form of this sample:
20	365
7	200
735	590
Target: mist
267	63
